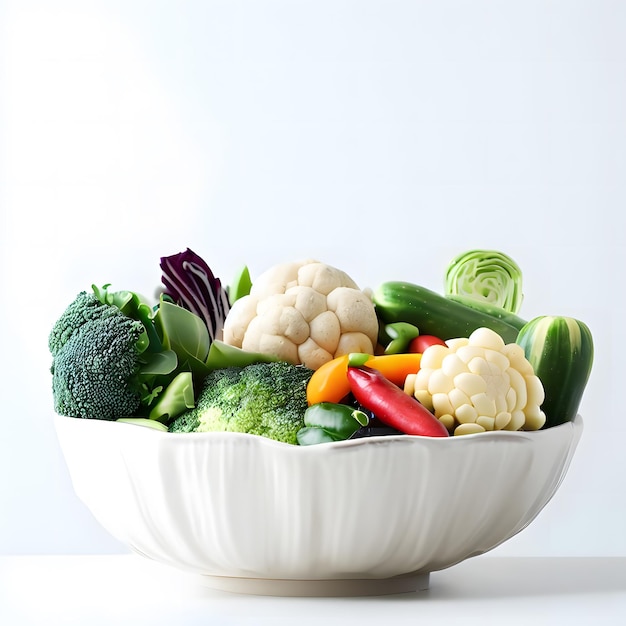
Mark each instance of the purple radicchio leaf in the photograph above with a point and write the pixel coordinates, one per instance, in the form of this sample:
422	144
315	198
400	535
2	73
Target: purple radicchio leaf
190	283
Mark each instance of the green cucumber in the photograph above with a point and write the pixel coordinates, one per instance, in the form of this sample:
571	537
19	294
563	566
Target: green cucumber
560	349
434	314
490	309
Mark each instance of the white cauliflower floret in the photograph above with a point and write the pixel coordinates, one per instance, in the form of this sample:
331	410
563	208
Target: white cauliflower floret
479	383
303	312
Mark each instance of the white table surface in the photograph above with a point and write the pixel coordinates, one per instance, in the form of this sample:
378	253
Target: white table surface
129	589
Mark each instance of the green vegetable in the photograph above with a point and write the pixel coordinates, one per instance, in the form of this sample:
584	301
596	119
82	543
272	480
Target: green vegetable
267	399
493	310
223	355
115	356
186	334
327	421
98	355
434	314
174	337
241	285
486	275
560	349
397	337
178	396
134	306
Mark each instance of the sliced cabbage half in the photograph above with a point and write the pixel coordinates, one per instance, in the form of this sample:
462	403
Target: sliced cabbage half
486	275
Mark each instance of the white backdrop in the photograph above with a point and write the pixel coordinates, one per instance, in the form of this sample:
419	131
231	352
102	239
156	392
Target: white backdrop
383	137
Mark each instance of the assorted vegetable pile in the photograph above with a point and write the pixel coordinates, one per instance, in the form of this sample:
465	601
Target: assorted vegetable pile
304	356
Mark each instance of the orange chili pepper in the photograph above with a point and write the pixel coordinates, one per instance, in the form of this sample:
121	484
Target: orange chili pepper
396	367
329	383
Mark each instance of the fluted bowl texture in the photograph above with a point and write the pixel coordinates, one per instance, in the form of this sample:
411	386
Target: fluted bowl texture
246	507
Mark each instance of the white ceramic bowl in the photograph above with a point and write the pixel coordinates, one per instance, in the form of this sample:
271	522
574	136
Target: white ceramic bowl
367	516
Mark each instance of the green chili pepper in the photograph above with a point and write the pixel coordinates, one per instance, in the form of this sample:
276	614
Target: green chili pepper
397	336
327	421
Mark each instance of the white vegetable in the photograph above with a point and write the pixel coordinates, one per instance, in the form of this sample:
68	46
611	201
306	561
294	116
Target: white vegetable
478	383
303	312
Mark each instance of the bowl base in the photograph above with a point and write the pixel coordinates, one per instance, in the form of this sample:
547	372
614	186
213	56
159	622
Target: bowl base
318	588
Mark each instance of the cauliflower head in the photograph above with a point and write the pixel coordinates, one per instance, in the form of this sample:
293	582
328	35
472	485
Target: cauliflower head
479	383
304	312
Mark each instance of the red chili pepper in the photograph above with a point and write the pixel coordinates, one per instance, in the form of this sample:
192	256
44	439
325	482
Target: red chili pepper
391	404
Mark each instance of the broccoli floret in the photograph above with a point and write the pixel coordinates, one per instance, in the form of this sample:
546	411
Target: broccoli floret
85	307
267	399
95	361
